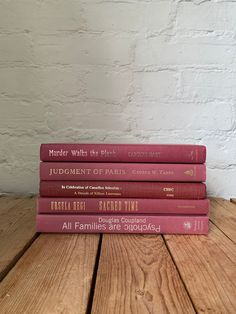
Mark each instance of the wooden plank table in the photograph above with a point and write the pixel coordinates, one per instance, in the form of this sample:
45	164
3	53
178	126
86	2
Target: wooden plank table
115	273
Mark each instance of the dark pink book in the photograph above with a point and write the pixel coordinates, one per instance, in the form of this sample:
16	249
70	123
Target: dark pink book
125	189
163	224
121	206
121	172
166	153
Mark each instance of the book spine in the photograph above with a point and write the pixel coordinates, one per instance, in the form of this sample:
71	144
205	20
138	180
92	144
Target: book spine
122	172
125	189
121	206
122	224
124	153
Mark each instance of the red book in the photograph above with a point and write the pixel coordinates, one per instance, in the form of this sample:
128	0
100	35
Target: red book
121	206
125	189
166	153
163	224
121	172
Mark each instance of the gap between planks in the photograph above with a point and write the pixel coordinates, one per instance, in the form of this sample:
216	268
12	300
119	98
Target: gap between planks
222	214
207	267
172	242
209	262
94	277
53	276
204	264
17	226
136	274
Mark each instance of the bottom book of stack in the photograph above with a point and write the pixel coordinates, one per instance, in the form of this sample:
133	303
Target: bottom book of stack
146	216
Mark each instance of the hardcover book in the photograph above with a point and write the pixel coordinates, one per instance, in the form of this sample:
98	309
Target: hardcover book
157	224
122	172
121	206
154	153
167	190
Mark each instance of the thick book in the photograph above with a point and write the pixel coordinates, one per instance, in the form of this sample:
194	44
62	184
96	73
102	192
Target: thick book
164	224
122	171
125	189
166	153
121	206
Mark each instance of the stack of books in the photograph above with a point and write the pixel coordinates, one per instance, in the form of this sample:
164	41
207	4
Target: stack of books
122	188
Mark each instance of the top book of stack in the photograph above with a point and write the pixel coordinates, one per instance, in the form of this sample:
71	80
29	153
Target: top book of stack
139	153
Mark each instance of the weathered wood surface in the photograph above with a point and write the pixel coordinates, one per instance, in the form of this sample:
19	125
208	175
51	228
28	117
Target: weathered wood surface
223	215
17	229
207	267
53	276
137	275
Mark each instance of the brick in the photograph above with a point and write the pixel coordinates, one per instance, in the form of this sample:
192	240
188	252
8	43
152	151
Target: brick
41	16
221	182
32	82
58	83
108	122
84	108
17	117
208	85
188	116
158	16
188	51
11	174
104	117
73	134
61	83
133	17
26	152
15	48
83	49
177	136
208	16
155	85
17	82
107	85
221	150
101	121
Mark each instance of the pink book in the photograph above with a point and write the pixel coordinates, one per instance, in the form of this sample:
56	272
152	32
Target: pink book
122	224
166	153
121	206
125	189
122	172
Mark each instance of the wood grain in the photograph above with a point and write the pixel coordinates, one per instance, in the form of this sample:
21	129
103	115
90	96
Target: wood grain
137	275
17	230
7	202
207	266
53	276
223	215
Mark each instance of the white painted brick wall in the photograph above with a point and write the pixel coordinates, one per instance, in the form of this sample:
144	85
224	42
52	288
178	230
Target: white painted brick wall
127	71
